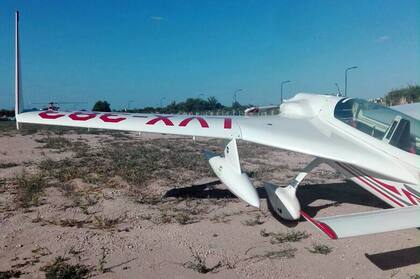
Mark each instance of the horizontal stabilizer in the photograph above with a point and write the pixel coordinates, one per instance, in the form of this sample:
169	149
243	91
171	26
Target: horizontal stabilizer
367	222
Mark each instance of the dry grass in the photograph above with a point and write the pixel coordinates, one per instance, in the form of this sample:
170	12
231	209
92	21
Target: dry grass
3	183
137	164
199	265
285	253
8	165
320	249
71	222
149	200
97	222
108	223
290	236
55	143
102	262
179	210
59	269
10	274
221	218
30	188
68	222
82	200
140	163
256	220
63	170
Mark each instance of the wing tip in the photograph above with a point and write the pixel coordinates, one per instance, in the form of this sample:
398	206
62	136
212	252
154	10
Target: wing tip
320	225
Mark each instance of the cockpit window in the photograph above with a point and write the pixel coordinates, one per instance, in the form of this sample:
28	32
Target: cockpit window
381	122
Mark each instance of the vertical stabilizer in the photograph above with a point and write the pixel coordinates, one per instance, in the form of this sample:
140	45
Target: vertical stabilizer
18	99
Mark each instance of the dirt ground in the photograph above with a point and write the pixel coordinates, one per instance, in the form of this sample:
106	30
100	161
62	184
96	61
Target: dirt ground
95	204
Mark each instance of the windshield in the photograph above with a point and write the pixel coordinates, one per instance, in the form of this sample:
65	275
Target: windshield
381	122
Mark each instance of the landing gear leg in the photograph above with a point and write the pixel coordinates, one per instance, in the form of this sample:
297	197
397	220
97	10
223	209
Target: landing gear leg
283	199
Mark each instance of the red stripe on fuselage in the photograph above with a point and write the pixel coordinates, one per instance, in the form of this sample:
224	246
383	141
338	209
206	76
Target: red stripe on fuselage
369	184
379	191
411	197
389	187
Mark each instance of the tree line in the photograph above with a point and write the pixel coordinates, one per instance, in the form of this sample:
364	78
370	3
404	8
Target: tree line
193	105
408	94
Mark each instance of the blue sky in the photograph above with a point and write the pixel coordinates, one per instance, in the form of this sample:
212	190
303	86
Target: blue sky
143	51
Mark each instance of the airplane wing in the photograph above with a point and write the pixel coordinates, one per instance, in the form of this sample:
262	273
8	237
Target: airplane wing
412	110
189	125
309	133
378	221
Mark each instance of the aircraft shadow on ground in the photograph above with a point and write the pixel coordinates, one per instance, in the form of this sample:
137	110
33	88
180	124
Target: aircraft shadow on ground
395	259
338	193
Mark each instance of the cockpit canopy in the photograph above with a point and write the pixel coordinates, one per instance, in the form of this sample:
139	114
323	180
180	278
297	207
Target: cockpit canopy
381	122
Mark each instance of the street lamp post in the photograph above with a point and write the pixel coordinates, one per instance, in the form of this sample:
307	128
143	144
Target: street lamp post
345	78
235	93
281	90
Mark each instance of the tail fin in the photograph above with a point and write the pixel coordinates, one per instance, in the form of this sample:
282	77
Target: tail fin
18	97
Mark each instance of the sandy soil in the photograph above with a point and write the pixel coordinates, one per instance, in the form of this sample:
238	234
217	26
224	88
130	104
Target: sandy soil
122	217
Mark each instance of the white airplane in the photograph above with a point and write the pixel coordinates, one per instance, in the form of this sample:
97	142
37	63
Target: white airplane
376	147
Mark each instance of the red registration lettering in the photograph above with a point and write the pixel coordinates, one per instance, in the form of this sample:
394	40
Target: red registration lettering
50	115
185	122
113	118
82	116
158	118
228	123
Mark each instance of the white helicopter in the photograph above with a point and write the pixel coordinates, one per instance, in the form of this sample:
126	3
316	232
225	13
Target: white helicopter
375	146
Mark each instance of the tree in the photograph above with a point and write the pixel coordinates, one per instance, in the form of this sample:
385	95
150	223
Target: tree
410	94
102	106
213	103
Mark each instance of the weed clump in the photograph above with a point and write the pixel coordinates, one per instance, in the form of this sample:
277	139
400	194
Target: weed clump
320	249
290	236
59	269
63	170
55	143
199	264
10	274
221	218
30	188
286	253
102	262
8	165
253	222
105	223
